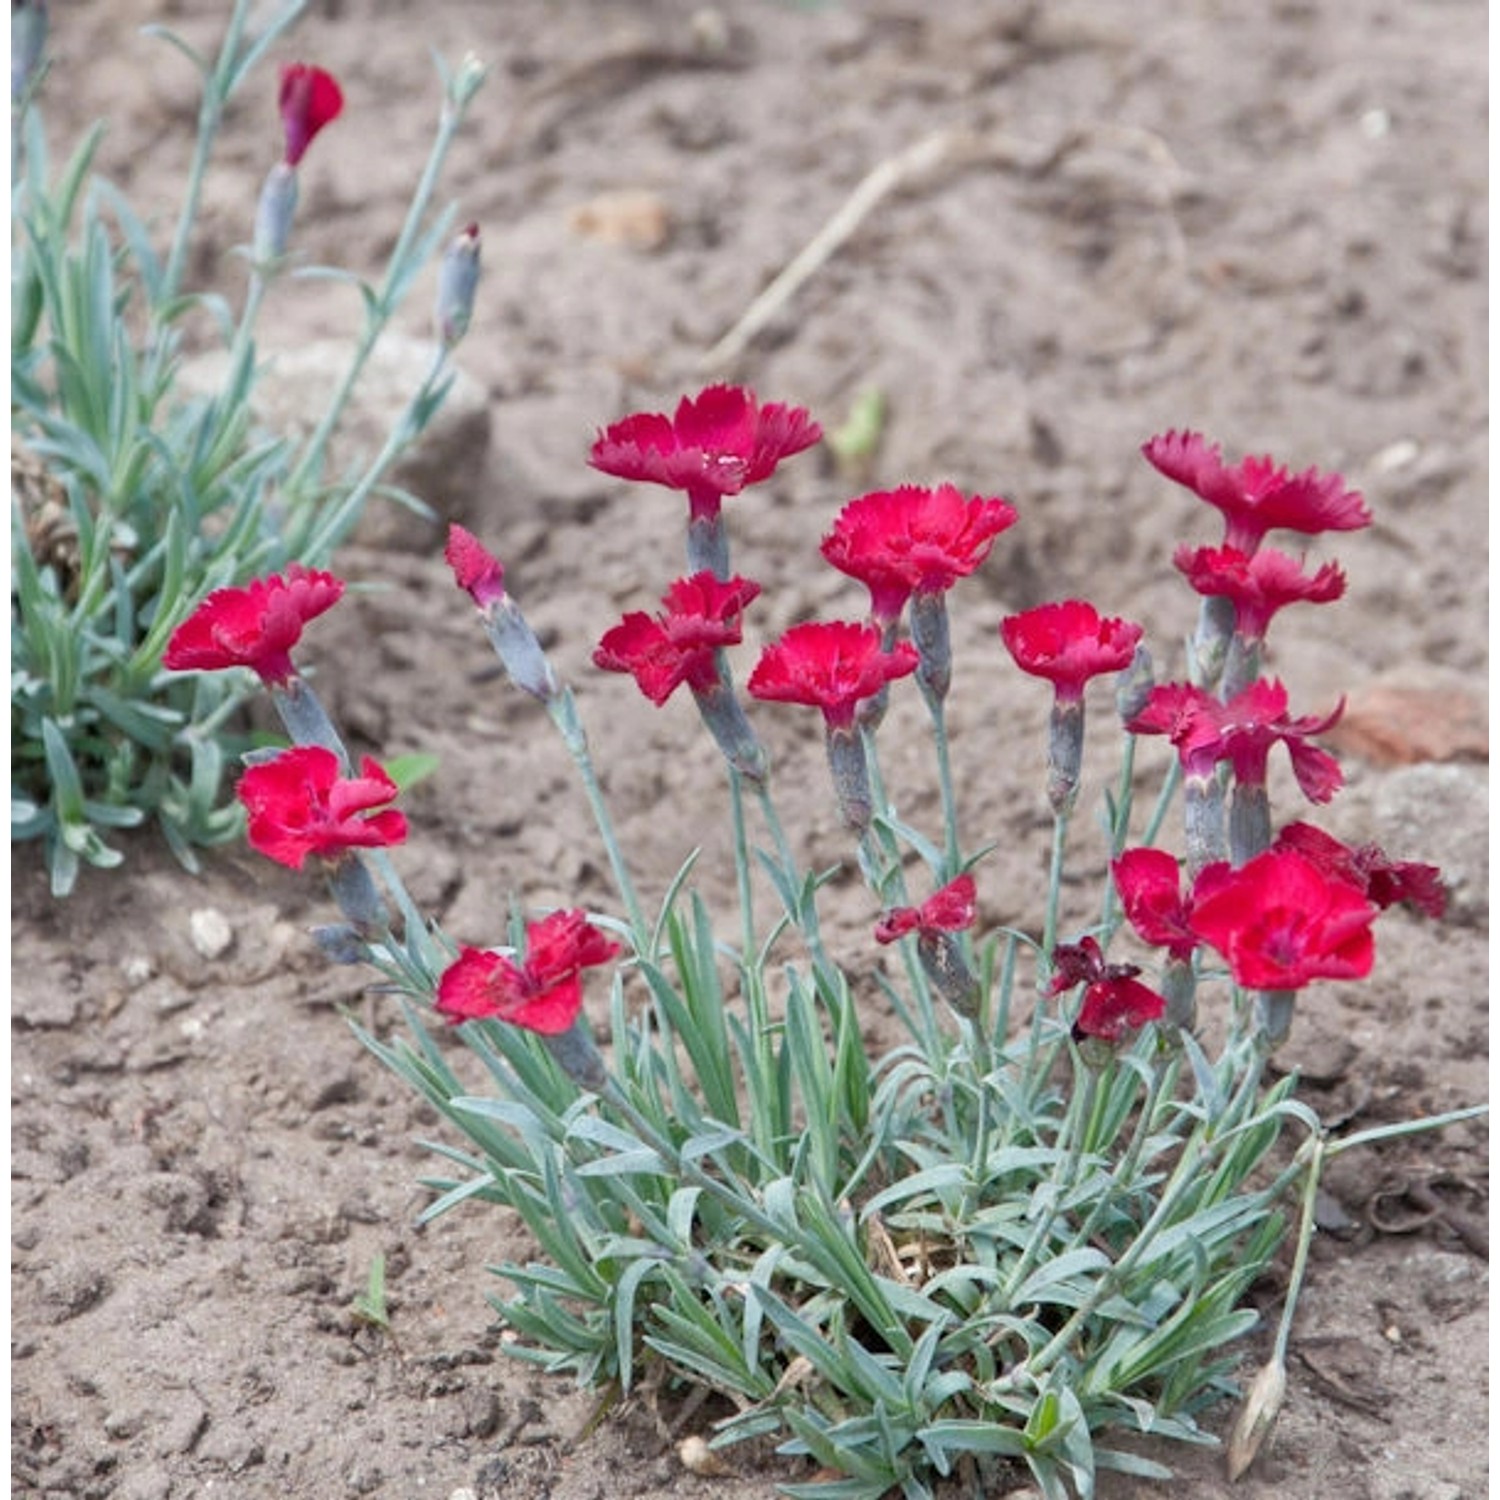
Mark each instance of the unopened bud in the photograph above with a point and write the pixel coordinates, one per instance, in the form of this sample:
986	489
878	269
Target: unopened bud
354	890
273	215
1133	685
458	276
465	81
1257	1416
519	650
1210	643
28	41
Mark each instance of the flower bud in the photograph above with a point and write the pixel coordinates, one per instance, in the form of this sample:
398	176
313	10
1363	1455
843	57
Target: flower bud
28	41
458	276
354	890
519	650
1257	1416
1210	643
273	215
1133	685
465	82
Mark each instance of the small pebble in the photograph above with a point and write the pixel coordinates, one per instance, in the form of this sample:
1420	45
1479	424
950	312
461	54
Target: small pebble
210	932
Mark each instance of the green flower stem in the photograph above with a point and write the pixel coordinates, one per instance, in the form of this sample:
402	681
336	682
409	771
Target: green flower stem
1119	834
332	528
742	880
1163	1079
1405	1127
880	863
952	852
243	347
1316	1159
1185	1179
1070	1140
563	712
1170	783
210	115
381	308
1054	897
805	915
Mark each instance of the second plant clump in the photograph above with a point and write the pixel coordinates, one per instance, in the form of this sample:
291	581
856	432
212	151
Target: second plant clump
1028	1229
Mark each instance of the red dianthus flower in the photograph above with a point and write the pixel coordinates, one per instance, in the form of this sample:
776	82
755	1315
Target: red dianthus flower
1369	869
912	540
950	909
714	445
1258	584
1256	495
1280	922
1068	643
300	804
255	626
700	615
544	993
831	665
309	99
1114	1002
1148	882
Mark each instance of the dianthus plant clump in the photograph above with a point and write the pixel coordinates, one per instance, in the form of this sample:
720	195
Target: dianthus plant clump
1022	1235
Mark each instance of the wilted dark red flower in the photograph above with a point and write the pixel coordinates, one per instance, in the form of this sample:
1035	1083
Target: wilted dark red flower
912	540
1149	885
1068	643
544	993
1280	922
699	616
475	569
831	665
1114	1002
1255	495
714	445
1369	869
255	626
301	804
1258	584
309	99
950	909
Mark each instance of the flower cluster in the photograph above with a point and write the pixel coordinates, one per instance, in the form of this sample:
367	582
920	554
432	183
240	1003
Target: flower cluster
721	1140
